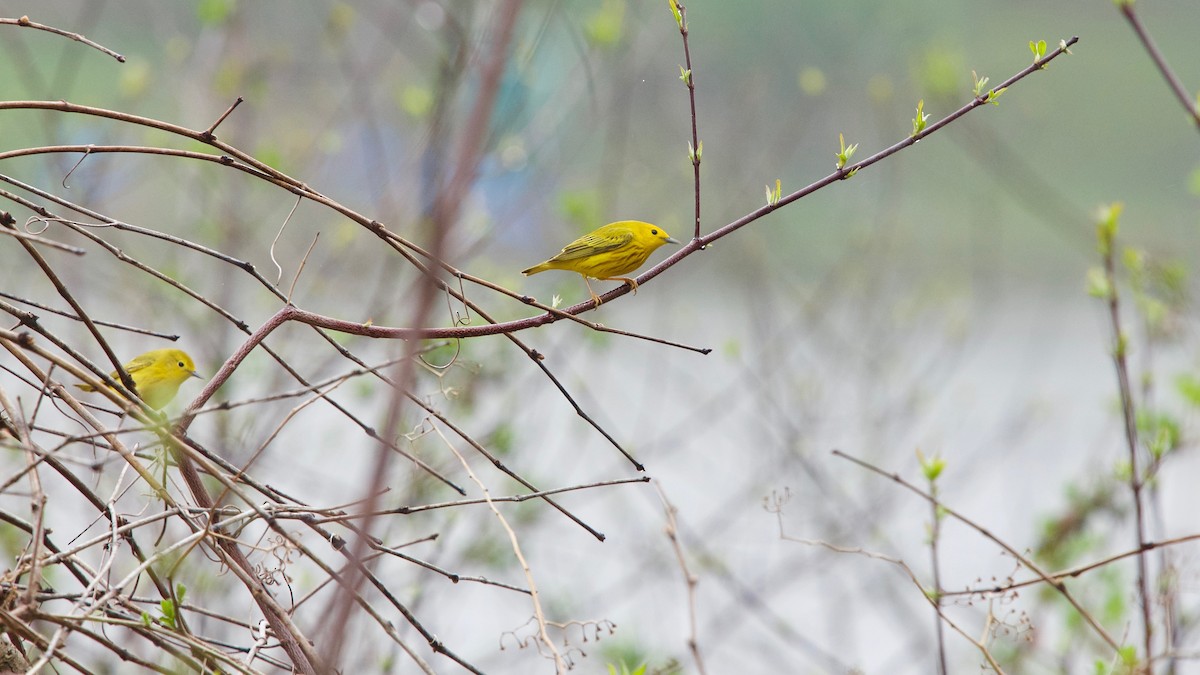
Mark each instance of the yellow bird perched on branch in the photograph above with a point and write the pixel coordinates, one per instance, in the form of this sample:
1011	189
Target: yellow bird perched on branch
157	375
608	252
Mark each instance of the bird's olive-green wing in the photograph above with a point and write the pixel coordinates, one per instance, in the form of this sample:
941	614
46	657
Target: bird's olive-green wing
143	361
592	244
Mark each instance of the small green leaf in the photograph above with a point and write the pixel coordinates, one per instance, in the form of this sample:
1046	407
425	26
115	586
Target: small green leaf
1134	261
773	196
1097	284
676	13
1165	440
993	95
685	75
919	121
1106	227
168	612
931	467
980	83
1121	349
1038	48
845	152
1122	471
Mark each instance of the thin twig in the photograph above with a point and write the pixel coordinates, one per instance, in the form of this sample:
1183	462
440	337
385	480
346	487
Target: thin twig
74	250
208	133
1177	87
271	250
688	77
672	532
560	666
1129	417
300	269
25	22
935	533
1076	571
109	324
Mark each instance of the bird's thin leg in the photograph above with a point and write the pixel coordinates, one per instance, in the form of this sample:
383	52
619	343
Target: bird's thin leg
595	298
632	282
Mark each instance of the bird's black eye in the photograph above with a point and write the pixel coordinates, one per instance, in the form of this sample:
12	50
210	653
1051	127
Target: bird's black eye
655	232
180	364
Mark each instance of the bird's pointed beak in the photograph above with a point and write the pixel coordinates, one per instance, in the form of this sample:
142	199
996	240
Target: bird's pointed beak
195	374
672	240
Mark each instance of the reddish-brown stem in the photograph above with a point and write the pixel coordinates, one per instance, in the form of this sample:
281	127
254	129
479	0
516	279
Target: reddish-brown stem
691	85
1129	418
1173	81
25	22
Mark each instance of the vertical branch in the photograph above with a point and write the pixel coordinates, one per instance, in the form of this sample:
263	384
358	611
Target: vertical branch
672	531
1106	236
447	205
932	468
935	530
695	149
37	505
1173	81
449	199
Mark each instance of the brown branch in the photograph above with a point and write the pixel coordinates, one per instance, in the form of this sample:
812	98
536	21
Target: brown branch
1078	570
443	219
672	532
109	324
208	133
1185	98
689	80
25	22
1120	347
74	250
407	510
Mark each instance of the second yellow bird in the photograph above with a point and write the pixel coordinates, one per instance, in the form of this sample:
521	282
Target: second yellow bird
608	252
157	375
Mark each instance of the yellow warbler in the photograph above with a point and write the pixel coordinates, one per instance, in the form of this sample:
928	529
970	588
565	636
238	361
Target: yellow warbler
608	252
157	375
